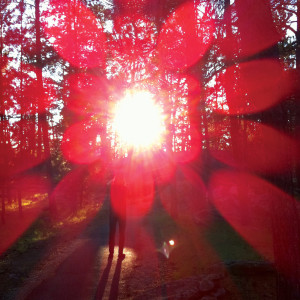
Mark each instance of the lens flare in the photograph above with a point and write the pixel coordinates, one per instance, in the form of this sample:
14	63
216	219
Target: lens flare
171	242
138	121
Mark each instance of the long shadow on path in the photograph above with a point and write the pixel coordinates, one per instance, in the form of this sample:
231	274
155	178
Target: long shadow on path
75	276
104	282
114	290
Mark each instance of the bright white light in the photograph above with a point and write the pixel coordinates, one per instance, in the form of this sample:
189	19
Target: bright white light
171	242
138	120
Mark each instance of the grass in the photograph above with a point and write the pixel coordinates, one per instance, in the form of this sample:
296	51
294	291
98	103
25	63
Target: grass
31	247
229	245
196	246
201	246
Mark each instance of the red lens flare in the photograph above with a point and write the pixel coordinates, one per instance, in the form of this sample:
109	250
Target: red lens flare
22	93
185	198
183	89
132	191
187	146
75	33
69	195
132	5
99	172
248	87
31	189
248	145
36	97
88	93
186	35
181	107
163	167
82	142
132	45
19	151
252	205
255	24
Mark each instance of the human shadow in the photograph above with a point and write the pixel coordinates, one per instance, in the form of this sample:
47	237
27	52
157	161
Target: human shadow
114	289
103	281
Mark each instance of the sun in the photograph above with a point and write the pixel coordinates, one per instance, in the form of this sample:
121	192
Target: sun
138	121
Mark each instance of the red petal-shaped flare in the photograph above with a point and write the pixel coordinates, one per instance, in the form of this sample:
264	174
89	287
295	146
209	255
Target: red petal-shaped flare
88	93
31	186
99	174
19	149
185	198
163	167
82	142
132	5
75	33
36	97
181	110
132	191
253	207
182	89
68	194
248	87
132	45
186	35
250	28
23	93
28	188
253	146
135	35
187	146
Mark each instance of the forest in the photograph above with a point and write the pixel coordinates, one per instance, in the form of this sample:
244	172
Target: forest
223	74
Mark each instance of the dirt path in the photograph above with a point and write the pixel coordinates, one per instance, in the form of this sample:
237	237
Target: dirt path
80	268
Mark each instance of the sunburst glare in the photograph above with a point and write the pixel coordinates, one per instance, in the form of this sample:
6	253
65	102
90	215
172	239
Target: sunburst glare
138	121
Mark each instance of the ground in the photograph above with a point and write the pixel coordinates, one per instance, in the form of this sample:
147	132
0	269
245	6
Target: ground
75	265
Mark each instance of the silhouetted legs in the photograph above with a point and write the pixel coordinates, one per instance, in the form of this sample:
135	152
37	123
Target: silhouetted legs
115	220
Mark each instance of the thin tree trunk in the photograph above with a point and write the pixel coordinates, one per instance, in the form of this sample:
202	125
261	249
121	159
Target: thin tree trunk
43	128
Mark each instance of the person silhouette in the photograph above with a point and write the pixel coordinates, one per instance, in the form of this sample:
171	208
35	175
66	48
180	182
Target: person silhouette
117	213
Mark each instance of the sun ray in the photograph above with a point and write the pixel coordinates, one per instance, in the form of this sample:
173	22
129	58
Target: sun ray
138	121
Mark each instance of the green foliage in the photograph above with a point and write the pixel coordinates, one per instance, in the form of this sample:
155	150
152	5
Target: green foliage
229	245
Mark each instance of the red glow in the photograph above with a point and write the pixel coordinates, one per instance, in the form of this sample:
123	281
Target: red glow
182	86
191	149
185	198
132	191
75	33
251	205
253	146
186	35
132	5
132	45
249	87
256	27
98	172
81	142
163	167
36	97
67	195
30	185
27	187
245	202
23	93
19	152
88	93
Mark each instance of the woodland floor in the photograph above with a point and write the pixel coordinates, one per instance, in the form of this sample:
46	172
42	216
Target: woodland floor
74	265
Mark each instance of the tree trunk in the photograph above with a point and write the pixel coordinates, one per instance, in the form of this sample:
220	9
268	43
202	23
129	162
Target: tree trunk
43	128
